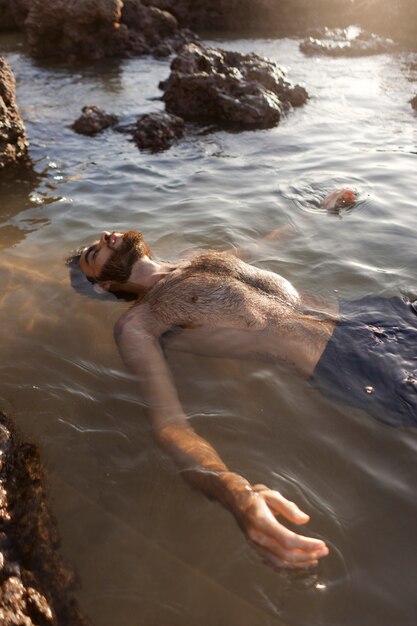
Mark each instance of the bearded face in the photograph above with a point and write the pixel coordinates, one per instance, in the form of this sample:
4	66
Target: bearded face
119	266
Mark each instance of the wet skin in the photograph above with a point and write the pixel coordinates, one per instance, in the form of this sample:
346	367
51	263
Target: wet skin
218	305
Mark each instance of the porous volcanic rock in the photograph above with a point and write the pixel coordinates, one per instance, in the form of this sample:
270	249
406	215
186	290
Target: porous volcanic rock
228	88
13	143
85	29
337	43
95	29
93	120
34	582
158	131
156	28
413	103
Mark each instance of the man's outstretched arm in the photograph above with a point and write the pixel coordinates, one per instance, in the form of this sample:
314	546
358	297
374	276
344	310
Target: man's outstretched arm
254	507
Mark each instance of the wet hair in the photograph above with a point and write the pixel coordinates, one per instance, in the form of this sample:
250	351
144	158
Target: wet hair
87	286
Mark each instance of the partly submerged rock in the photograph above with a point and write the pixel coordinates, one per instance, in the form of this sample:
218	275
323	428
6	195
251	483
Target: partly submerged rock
93	120
13	143
34	582
413	103
158	131
338	43
228	88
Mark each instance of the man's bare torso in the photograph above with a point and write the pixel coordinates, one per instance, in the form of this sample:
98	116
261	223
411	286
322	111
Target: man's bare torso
218	305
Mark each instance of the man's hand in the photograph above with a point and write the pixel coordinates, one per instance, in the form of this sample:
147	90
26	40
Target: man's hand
278	545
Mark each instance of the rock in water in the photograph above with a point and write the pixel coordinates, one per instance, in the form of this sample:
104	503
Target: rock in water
228	88
158	131
93	120
84	29
87	30
13	143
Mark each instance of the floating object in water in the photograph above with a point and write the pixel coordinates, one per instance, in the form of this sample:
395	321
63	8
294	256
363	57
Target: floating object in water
339	199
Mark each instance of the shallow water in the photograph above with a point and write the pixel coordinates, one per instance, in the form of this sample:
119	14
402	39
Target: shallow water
146	548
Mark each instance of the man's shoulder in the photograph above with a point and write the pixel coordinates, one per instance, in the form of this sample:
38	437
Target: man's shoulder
137	321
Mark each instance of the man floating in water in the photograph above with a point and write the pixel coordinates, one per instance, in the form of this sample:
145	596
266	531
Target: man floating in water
214	303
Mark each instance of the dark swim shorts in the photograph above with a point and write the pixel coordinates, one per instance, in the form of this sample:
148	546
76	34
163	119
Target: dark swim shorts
370	361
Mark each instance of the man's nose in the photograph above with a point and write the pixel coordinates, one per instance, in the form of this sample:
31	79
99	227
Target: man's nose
104	238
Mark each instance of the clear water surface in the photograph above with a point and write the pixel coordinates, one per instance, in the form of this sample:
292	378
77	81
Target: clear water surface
147	549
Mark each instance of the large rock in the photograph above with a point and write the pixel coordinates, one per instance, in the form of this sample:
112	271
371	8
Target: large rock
94	29
13	143
228	88
86	29
158	29
34	582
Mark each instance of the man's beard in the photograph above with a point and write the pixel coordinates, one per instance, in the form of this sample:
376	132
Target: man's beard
119	266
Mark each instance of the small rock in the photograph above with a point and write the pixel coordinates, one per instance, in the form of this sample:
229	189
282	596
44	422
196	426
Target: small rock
158	131
93	120
413	103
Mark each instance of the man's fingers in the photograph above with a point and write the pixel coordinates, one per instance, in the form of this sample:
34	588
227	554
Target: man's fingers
285	507
294	558
291	542
287	548
273	560
267	525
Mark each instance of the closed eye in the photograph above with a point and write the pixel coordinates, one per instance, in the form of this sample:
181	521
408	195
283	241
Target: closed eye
88	257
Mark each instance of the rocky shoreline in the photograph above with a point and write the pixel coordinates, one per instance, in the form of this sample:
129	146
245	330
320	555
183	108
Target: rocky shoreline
35	584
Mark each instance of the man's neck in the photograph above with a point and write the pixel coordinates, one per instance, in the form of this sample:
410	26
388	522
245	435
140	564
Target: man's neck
147	272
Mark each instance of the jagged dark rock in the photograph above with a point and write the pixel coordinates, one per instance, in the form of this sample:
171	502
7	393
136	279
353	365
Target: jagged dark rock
158	28
94	29
158	131
337	43
13	142
35	585
93	120
77	28
413	103
228	88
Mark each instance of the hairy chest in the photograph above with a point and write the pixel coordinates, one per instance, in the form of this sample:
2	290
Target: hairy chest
216	290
